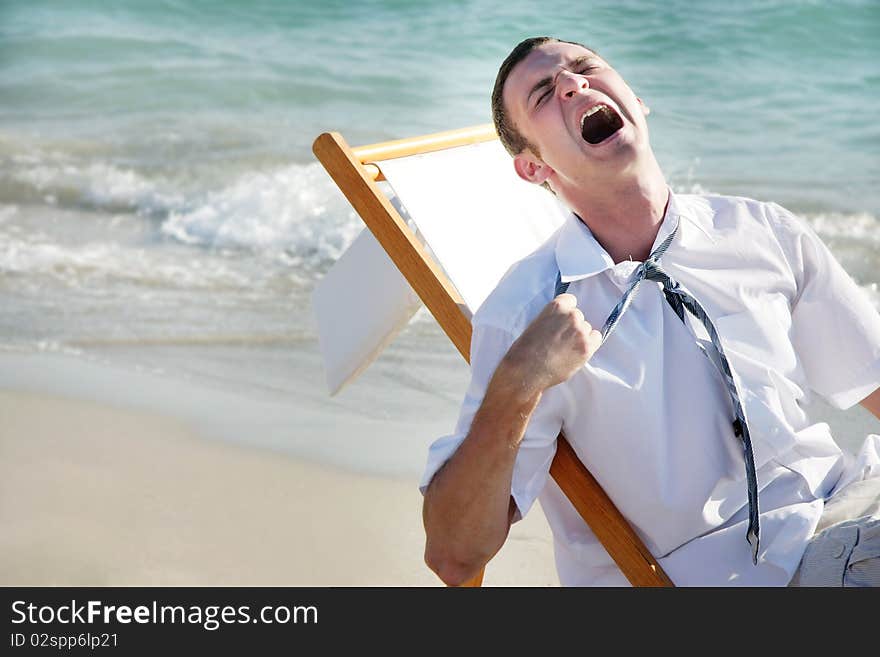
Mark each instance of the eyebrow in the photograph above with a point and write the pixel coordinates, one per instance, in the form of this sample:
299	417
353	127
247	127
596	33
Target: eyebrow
545	82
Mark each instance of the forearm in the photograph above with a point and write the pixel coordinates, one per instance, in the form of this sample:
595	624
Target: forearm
467	507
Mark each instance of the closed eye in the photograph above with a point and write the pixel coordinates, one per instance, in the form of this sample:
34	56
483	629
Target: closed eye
542	98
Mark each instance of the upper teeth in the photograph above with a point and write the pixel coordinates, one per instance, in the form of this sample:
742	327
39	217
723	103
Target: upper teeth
590	112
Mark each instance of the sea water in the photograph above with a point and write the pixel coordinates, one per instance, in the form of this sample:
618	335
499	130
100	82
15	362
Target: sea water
160	208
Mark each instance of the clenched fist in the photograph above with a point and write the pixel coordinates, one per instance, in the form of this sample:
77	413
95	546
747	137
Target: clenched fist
555	345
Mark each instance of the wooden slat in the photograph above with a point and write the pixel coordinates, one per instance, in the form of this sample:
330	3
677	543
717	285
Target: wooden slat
437	141
346	167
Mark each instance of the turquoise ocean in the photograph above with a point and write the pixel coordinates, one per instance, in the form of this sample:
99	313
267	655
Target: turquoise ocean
161	213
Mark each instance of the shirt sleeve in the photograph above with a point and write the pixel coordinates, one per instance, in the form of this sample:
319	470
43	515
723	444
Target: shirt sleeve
835	328
488	346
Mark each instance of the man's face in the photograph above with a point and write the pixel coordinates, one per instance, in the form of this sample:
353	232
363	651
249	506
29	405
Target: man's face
582	118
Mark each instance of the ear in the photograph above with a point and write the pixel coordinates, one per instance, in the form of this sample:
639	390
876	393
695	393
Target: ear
530	168
645	109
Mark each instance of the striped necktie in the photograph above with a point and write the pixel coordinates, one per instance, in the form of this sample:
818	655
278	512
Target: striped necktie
681	300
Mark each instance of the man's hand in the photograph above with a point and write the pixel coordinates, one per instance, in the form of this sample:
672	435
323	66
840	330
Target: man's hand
555	345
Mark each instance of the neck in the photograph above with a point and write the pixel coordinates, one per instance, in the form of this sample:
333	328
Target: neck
624	213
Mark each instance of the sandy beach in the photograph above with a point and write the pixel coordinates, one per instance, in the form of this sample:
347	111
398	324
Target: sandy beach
112	475
94	495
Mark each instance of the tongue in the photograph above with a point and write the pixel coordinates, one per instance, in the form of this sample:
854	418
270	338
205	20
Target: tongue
601	125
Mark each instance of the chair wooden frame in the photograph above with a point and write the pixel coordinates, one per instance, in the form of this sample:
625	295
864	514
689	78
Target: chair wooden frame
356	172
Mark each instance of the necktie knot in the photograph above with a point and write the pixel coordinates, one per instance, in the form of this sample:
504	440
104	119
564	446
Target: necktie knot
652	271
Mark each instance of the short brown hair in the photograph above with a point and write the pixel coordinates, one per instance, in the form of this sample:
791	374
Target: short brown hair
514	141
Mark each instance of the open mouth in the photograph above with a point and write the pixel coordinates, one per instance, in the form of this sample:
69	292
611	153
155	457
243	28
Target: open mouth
599	123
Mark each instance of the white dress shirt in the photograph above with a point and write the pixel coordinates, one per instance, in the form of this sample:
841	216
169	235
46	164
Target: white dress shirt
650	416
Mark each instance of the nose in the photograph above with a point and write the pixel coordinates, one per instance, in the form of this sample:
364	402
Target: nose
569	84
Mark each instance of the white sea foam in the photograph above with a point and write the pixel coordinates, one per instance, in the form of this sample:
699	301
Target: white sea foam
861	226
294	208
98	263
293	212
58	179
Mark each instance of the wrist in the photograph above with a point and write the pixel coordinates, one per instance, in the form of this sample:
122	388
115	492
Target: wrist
517	383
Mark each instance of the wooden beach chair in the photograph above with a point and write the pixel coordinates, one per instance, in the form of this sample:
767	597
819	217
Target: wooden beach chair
425	256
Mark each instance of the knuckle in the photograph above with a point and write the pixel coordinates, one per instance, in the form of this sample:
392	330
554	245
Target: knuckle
564	300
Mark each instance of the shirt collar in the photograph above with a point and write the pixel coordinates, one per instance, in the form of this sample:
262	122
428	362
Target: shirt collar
579	255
